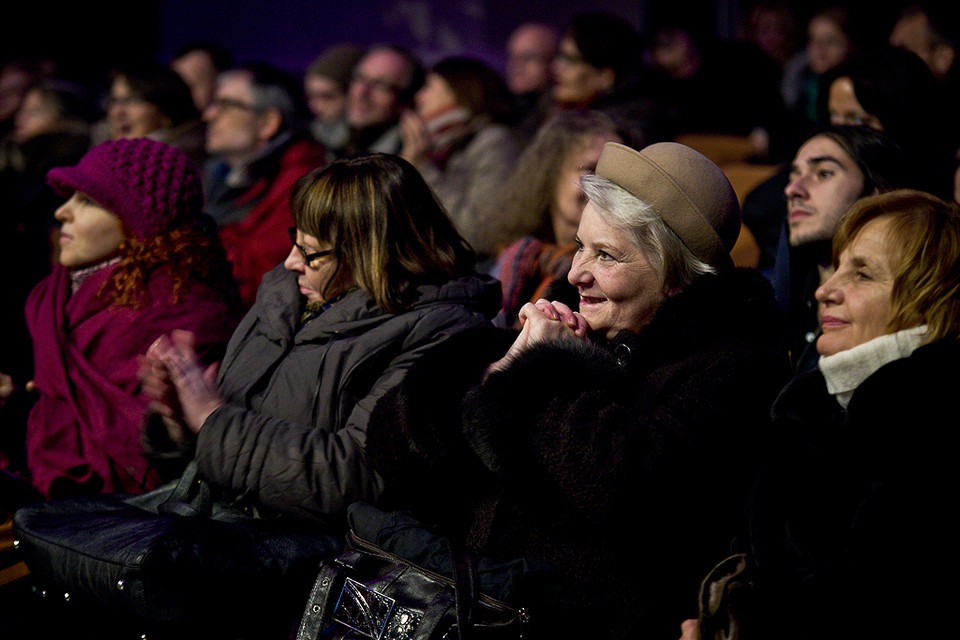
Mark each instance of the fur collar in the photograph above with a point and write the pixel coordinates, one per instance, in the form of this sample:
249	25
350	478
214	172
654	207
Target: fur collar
736	305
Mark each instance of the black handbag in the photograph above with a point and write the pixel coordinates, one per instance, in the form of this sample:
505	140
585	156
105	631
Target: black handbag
174	555
367	592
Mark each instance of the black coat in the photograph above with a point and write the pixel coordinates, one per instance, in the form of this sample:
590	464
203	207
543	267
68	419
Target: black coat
853	530
624	464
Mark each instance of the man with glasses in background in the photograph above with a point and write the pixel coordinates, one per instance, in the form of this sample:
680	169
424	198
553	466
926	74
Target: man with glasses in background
382	86
258	152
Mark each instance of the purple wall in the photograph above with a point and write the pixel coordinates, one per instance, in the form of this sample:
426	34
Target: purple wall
290	33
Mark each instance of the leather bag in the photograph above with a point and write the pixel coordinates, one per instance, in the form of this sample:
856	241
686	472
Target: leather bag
367	592
172	555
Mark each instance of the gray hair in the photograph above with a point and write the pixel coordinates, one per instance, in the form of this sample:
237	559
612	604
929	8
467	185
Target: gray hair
661	246
270	89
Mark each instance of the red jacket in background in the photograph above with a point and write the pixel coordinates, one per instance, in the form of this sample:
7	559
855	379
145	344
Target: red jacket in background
260	241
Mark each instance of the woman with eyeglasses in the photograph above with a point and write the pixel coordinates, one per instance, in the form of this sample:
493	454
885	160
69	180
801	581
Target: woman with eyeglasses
152	101
377	275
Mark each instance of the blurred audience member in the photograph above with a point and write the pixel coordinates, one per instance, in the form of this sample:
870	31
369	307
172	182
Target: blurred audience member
891	90
153	101
51	128
771	26
325	86
16	77
258	153
531	48
542	202
381	88
457	141
929	30
600	66
697	68
199	64
831	40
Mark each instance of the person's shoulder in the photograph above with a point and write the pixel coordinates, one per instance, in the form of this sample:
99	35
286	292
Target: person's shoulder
927	376
476	292
302	152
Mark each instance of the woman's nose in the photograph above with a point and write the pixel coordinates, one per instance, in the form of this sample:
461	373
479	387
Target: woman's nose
578	273
828	291
294	261
62	213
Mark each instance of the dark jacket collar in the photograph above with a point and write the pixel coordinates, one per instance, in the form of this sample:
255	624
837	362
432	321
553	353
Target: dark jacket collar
279	305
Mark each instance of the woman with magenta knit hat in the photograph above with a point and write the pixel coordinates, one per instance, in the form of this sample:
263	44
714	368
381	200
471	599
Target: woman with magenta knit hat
606	437
134	262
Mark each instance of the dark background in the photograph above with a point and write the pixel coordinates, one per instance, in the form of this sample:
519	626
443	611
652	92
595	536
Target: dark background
87	38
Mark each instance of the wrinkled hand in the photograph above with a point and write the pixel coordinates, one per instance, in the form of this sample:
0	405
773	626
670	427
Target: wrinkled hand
544	320
414	136
177	386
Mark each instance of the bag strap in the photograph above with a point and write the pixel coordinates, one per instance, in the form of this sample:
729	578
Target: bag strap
191	497
465	588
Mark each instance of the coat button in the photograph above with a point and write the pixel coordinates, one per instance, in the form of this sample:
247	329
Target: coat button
622	353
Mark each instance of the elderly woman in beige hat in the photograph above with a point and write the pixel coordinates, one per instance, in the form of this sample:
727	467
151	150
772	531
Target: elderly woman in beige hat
614	443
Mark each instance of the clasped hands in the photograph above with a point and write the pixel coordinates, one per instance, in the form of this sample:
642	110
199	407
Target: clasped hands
179	388
544	320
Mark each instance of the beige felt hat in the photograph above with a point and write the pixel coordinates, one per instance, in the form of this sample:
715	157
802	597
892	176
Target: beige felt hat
688	191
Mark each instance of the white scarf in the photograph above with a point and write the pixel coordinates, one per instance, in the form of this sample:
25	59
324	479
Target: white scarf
845	371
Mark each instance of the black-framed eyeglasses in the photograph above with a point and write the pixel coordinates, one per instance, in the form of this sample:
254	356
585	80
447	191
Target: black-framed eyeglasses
376	84
308	258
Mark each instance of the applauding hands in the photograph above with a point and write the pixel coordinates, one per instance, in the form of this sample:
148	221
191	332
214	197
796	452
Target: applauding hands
179	388
544	320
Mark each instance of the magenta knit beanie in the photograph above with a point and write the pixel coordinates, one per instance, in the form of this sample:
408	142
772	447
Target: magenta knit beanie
151	186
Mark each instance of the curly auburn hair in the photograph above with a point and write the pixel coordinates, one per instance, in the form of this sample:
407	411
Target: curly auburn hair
189	253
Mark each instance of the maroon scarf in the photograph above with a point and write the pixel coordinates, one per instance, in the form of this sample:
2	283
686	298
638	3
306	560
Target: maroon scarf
83	434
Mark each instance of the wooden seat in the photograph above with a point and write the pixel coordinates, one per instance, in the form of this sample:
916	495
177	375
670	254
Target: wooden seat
722	148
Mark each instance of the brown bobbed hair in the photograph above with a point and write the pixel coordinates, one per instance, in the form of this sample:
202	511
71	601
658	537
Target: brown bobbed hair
384	223
925	232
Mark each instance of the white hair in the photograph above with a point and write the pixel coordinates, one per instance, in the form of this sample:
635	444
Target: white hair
673	262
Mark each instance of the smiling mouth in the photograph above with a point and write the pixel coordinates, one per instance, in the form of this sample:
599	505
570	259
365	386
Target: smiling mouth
589	300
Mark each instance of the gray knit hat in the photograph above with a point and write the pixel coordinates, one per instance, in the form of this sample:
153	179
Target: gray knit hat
688	191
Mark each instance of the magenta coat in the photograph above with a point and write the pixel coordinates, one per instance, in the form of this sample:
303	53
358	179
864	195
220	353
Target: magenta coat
83	433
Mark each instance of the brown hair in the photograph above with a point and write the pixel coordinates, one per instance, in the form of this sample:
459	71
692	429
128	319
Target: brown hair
384	223
529	191
476	86
926	233
188	252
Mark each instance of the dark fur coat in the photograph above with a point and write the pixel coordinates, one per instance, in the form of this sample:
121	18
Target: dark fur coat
623	463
